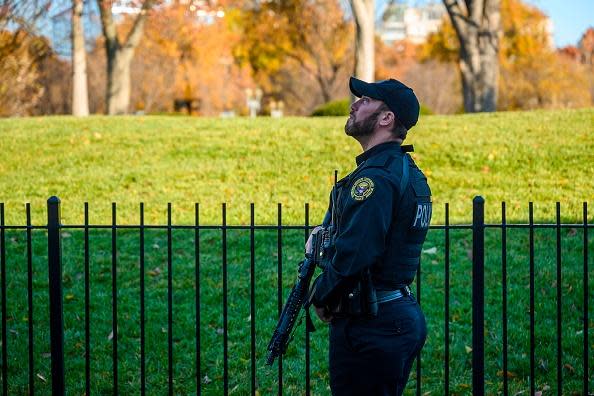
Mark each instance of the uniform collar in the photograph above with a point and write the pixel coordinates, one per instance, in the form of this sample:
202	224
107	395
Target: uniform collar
376	150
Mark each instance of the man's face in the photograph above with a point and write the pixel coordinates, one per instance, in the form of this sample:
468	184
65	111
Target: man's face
363	117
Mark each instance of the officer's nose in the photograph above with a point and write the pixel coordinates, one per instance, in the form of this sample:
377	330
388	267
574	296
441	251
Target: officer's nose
355	105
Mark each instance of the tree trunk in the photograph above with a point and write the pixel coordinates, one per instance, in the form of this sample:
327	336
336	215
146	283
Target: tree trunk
364	13
118	82
80	97
119	56
478	26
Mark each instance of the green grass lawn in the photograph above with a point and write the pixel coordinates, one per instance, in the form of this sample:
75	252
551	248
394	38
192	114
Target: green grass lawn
517	157
543	156
266	259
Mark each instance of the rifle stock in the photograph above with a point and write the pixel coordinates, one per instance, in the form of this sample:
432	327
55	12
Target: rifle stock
297	299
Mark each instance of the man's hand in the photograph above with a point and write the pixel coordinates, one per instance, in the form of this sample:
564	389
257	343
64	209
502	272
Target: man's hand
308	244
324	315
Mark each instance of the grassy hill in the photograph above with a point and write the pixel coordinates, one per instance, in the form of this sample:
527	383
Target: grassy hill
543	156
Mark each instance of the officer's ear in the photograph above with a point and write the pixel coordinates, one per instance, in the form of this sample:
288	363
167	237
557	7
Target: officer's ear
386	118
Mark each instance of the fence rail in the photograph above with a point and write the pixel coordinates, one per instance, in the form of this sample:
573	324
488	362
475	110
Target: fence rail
478	227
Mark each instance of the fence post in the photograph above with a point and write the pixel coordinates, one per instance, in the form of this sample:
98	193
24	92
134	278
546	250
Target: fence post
478	296
55	295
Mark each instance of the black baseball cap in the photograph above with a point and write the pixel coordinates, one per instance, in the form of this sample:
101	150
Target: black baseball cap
398	97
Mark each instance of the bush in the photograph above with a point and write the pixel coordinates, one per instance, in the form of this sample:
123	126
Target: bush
340	107
425	110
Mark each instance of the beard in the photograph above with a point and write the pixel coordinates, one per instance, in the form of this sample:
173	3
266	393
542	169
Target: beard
362	128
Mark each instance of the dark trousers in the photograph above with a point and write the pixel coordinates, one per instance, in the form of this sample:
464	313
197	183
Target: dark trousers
374	356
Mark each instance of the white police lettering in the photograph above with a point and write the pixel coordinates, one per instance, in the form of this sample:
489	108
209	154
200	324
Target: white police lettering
423	215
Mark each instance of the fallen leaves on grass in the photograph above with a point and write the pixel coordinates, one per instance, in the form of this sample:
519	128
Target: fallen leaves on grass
569	368
155	272
510	374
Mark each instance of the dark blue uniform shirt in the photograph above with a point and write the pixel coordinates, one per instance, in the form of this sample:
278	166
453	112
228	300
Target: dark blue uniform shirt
380	222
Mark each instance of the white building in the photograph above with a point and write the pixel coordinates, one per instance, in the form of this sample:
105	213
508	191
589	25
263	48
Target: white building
204	11
400	21
119	7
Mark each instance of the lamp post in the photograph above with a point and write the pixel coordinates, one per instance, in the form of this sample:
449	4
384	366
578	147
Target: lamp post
254	100
276	109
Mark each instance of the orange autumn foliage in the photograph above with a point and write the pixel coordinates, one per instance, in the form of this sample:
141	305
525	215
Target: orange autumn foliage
180	57
532	73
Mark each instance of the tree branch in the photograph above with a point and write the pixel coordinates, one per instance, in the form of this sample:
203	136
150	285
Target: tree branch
136	32
107	23
359	10
301	62
24	14
476	11
458	17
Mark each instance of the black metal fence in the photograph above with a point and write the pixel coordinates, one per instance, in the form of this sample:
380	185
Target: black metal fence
478	227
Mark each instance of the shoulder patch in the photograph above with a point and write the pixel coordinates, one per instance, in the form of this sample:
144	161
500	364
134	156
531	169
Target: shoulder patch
362	188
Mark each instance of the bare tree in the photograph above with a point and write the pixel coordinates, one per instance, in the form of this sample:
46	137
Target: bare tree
478	27
120	54
322	45
80	97
21	14
21	51
364	14
425	77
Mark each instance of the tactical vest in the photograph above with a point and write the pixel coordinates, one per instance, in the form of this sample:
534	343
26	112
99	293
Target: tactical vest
411	216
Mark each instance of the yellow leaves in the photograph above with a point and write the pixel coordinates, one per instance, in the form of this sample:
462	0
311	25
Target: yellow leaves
442	45
509	374
525	29
532	74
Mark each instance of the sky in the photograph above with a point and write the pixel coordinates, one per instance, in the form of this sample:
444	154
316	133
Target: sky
570	18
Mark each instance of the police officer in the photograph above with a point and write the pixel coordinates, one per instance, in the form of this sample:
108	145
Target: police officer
378	216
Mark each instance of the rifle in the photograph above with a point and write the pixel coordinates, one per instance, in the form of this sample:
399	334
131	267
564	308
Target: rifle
283	334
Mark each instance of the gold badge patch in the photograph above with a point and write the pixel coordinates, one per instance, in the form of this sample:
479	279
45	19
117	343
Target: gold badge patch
362	189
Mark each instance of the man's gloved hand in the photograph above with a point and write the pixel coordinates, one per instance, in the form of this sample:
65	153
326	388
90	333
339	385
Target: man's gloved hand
324	315
308	244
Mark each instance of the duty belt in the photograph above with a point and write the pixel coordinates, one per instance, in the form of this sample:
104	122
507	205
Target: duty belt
389	295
